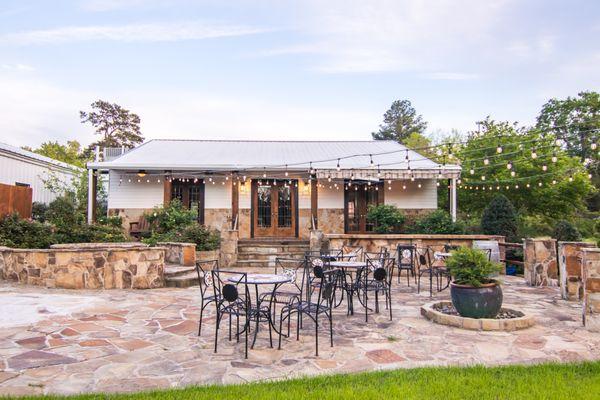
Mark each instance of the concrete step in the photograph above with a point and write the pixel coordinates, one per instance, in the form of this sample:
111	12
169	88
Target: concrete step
269	242
173	270
182	281
272	250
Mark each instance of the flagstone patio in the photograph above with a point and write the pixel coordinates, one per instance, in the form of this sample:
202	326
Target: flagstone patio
66	341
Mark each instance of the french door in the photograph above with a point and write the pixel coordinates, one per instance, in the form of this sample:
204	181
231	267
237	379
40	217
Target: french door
274	209
357	199
190	194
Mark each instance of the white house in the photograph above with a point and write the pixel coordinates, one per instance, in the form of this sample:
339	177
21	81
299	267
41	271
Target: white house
275	188
25	168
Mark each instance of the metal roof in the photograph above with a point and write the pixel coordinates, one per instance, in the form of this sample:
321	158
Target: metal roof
235	155
34	157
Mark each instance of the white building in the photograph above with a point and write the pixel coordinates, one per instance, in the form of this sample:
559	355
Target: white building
25	168
275	188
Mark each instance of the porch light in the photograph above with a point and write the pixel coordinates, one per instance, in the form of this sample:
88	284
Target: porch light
141	173
419	185
286	171
437	184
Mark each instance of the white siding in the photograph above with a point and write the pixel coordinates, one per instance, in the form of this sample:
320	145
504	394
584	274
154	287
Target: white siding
134	194
330	198
412	197
217	195
13	169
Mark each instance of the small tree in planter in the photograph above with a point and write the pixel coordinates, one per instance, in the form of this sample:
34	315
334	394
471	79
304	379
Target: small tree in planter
474	294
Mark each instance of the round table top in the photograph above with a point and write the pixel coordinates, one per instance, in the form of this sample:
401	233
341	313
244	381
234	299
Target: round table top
263	279
348	264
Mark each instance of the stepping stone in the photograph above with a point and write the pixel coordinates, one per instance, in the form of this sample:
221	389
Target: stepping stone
94	343
37	358
184	328
133	344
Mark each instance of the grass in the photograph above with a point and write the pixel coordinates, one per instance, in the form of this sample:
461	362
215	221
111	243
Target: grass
544	381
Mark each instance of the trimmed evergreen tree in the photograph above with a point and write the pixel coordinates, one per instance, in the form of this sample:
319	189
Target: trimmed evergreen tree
500	218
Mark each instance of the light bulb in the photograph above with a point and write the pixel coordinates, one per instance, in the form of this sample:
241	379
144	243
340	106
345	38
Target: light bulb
486	161
554	158
544	167
483	177
471	171
512	173
533	155
570	179
499	149
594	146
528	185
509	165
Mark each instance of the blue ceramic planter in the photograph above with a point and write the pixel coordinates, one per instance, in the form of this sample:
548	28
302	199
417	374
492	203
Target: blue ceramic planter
477	302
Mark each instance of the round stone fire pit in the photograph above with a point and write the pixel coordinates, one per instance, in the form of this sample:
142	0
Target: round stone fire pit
443	313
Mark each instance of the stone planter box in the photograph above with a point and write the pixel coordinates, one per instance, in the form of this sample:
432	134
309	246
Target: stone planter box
569	266
179	253
208	255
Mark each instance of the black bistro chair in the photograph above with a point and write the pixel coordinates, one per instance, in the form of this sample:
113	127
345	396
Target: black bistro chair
231	289
376	278
324	283
204	270
425	267
405	256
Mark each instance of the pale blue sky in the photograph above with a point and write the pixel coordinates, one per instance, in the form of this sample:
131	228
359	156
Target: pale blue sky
287	70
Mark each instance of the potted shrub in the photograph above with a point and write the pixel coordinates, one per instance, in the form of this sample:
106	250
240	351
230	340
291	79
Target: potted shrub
474	293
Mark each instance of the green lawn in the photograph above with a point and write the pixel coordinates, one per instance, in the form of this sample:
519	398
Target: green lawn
547	381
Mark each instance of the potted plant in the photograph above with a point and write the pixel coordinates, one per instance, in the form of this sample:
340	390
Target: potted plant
474	293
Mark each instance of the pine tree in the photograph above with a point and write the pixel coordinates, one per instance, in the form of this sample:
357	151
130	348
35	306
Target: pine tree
500	218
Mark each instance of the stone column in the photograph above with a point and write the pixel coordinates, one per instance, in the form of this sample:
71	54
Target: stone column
317	240
540	262
229	247
569	266
590	276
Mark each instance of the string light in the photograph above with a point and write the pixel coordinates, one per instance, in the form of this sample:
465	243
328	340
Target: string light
499	149
338	165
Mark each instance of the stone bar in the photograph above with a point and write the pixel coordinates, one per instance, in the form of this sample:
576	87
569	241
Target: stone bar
569	266
88	267
540	262
590	276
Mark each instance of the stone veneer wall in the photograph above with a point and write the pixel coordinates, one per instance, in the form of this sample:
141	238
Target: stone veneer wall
179	253
88	267
330	220
590	276
229	247
569	265
539	256
373	242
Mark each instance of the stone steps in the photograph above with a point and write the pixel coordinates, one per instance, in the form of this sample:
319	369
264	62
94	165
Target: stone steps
261	253
180	276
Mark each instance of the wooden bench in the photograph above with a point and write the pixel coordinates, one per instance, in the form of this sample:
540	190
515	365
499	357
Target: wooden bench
139	227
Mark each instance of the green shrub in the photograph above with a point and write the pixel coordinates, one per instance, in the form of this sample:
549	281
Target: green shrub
62	213
438	222
386	218
204	238
173	217
38	211
471	267
500	218
564	231
20	233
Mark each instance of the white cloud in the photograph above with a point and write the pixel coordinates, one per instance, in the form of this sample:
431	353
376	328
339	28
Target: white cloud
17	67
380	36
111	5
151	32
450	76
35	111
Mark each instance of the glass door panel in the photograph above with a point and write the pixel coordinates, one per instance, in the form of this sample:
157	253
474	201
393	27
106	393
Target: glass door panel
263	206
284	207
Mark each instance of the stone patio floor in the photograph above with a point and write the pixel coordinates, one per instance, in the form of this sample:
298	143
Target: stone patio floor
66	341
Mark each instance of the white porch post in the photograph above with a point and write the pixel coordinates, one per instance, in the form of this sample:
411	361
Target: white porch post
453	205
90	197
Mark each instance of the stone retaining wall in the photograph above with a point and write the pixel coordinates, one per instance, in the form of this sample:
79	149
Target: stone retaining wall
100	267
569	266
590	276
539	257
373	242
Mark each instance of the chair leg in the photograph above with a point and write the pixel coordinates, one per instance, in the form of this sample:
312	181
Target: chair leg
217	329
389	299
280	325
201	313
317	334
230	327
331	327
237	335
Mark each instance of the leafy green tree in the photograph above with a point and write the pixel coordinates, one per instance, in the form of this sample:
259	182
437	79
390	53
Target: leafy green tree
116	125
399	122
564	231
574	116
575	120
70	153
526	165
500	218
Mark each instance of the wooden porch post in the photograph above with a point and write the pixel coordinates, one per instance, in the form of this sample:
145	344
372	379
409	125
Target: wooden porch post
167	186
314	193
235	202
